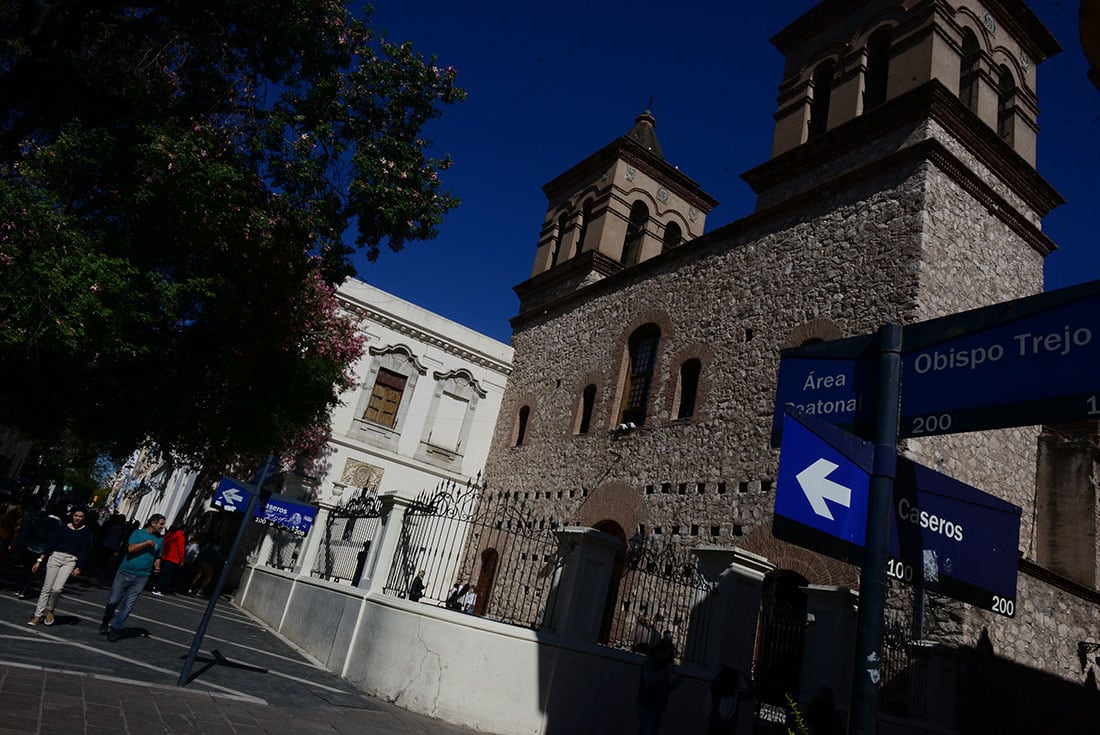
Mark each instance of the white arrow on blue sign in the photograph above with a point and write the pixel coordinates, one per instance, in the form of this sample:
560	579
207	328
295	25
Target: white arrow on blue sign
951	537
231	494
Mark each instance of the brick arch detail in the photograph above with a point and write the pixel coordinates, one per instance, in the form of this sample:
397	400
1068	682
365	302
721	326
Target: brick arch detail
705	355
821	328
817	569
614	501
619	364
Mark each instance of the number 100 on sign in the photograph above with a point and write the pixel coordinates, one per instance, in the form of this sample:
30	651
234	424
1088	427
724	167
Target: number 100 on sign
902	572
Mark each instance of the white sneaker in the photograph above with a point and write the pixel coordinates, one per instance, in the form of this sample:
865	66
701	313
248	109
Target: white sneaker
158	593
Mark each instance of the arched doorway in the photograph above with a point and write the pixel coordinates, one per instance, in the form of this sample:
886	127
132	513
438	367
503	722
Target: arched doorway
611	528
490	560
782	630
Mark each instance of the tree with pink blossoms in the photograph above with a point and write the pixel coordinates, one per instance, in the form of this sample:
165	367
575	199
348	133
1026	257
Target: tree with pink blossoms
181	187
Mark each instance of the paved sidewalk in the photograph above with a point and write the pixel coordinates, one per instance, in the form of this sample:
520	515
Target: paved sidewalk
66	678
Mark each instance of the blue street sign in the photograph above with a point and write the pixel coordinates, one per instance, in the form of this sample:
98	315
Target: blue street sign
1028	361
280	511
822	488
956	539
232	495
831	380
288	514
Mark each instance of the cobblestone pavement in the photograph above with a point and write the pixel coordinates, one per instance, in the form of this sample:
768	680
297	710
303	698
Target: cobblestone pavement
66	678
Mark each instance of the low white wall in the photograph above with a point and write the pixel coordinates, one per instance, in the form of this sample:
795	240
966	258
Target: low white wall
459	668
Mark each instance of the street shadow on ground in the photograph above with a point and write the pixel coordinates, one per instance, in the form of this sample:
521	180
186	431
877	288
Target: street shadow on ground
217	659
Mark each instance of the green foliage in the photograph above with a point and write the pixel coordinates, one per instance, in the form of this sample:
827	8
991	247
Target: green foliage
177	184
795	714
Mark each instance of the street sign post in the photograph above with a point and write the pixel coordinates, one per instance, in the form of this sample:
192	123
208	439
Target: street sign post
278	510
954	539
831	380
1028	361
944	535
822	488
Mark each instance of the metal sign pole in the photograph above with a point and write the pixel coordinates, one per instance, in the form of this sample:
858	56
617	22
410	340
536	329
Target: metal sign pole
266	469
872	573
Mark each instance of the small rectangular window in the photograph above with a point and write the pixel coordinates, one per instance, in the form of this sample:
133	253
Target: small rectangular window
385	398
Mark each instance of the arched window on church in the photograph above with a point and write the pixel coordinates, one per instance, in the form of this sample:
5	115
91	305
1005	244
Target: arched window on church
689	388
588	402
586	217
968	70
878	69
822	86
635	231
521	425
673	237
559	239
639	377
1006	98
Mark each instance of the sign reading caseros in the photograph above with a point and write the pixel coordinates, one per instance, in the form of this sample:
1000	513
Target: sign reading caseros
288	514
1028	361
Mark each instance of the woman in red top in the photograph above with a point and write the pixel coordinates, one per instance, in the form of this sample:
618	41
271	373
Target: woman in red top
171	557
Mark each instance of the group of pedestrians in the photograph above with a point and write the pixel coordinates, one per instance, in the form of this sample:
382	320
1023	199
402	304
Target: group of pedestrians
59	543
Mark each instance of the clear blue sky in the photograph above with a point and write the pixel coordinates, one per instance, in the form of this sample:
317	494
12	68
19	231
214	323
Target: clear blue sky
551	83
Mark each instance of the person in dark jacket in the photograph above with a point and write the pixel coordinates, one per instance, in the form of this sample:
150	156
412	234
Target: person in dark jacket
38	528
64	556
655	683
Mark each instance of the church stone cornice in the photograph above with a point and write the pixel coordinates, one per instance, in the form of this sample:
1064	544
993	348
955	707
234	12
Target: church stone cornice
929	101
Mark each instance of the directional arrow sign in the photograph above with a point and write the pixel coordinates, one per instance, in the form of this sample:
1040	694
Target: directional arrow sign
231	494
1028	361
817	487
822	488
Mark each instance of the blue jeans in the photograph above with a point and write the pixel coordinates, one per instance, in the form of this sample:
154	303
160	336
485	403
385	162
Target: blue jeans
124	593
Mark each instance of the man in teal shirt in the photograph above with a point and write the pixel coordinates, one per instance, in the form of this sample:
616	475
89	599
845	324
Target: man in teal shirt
141	559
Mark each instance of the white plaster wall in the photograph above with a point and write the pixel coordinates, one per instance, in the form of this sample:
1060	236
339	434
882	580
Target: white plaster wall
441	346
462	669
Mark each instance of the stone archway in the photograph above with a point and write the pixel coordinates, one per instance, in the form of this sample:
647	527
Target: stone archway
612	528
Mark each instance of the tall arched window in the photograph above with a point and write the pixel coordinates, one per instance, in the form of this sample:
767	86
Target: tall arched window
588	402
639	378
822	85
1006	97
689	387
673	237
586	217
878	69
521	425
968	70
635	231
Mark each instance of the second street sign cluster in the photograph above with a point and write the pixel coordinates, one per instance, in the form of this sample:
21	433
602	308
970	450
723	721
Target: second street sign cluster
950	537
1027	361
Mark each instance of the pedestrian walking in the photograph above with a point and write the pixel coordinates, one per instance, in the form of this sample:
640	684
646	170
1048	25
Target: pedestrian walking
655	682
64	555
142	558
416	589
38	529
469	600
109	542
172	557
727	702
207	565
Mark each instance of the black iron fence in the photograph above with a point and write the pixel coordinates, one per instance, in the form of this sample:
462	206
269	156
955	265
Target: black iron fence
659	593
460	535
285	548
903	689
348	533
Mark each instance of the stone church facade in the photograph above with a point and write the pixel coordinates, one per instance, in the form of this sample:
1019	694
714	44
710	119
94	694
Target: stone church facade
901	187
